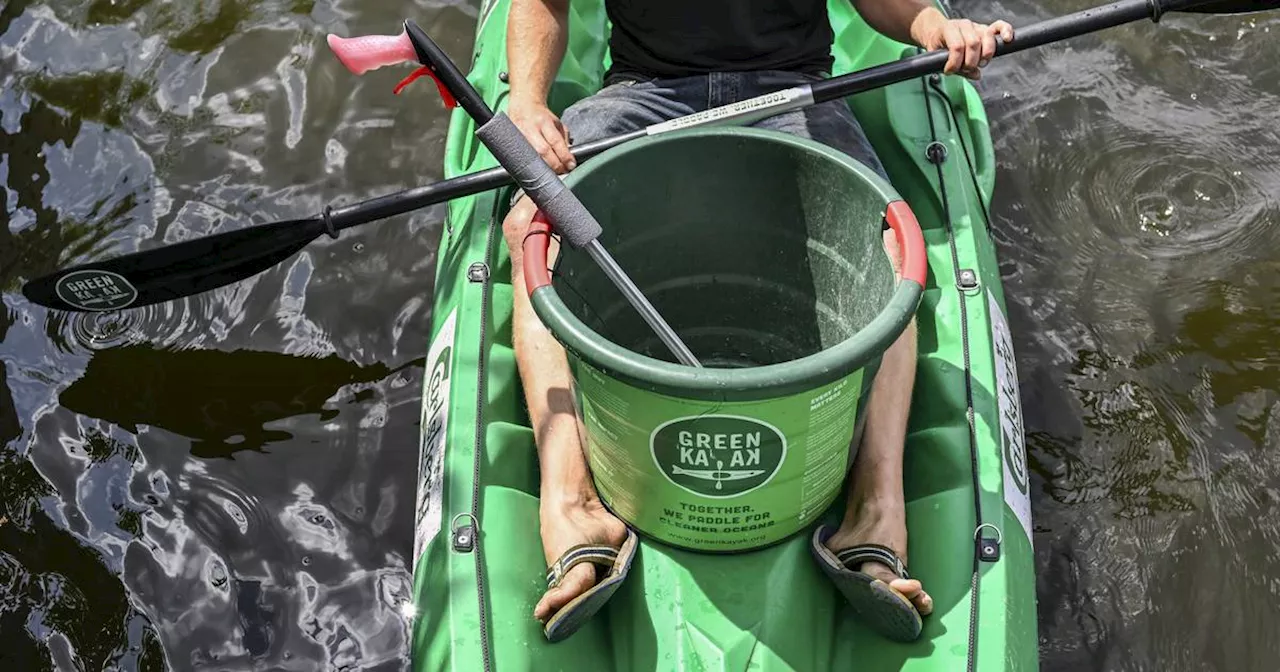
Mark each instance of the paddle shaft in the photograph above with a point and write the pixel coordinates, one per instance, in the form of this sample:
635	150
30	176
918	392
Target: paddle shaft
183	269
480	181
747	111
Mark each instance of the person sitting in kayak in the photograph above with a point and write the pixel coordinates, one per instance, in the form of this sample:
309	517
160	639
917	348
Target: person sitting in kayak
673	58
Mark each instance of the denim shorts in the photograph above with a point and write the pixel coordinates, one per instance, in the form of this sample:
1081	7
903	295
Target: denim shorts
628	104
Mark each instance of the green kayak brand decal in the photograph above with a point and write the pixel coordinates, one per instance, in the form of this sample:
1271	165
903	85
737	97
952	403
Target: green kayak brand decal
436	391
1017	491
96	290
718	455
717	476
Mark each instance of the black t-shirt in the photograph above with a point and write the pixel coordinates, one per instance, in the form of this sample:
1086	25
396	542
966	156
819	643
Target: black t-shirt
675	38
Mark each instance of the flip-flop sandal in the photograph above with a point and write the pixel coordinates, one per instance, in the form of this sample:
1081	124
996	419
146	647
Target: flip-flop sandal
882	608
580	609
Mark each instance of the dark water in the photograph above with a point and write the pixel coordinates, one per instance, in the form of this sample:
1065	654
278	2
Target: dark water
226	482
1139	225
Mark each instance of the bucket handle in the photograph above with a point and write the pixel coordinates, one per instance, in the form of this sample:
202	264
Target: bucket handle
902	220
536	243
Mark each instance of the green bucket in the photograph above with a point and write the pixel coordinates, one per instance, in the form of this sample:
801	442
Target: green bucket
764	251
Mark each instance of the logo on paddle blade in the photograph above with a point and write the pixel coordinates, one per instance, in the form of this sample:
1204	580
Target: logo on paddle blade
96	290
718	455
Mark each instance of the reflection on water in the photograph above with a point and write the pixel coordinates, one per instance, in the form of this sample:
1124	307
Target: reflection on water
224	482
218	482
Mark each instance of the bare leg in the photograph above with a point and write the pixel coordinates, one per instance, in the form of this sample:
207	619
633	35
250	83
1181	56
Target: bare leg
570	510
876	510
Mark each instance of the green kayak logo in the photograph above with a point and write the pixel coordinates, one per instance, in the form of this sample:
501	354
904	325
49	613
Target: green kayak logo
91	289
718	455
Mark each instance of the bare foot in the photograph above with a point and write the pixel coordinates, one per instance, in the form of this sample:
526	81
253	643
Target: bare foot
564	526
876	526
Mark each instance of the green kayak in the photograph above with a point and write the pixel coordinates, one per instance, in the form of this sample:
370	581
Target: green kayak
478	562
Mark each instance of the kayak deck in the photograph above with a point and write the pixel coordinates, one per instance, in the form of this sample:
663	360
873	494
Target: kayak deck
770	609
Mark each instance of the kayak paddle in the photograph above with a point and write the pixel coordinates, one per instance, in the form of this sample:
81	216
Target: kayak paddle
195	266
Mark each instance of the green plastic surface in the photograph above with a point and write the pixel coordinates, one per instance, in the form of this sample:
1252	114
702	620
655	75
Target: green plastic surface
764	610
764	252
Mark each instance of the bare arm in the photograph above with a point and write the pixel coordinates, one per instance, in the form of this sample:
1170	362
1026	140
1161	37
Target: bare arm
920	22
537	33
900	19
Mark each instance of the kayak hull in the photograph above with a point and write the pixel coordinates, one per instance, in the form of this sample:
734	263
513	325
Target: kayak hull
478	562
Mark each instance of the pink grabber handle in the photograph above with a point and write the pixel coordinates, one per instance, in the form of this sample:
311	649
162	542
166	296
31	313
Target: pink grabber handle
362	54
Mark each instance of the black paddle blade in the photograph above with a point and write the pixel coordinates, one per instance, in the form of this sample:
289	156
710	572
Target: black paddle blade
173	271
1220	6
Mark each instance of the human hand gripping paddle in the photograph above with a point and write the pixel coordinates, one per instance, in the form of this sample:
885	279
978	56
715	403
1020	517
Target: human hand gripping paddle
203	264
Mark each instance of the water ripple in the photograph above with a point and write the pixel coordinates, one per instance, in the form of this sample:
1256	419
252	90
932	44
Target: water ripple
208	482
1137	229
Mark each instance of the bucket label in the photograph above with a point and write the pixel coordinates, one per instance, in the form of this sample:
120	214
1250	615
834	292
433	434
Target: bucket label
717	476
718	455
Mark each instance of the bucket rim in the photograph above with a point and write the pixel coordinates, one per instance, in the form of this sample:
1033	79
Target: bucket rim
853	353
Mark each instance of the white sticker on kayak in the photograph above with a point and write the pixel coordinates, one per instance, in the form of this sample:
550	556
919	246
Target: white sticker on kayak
434	432
1013	449
741	112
